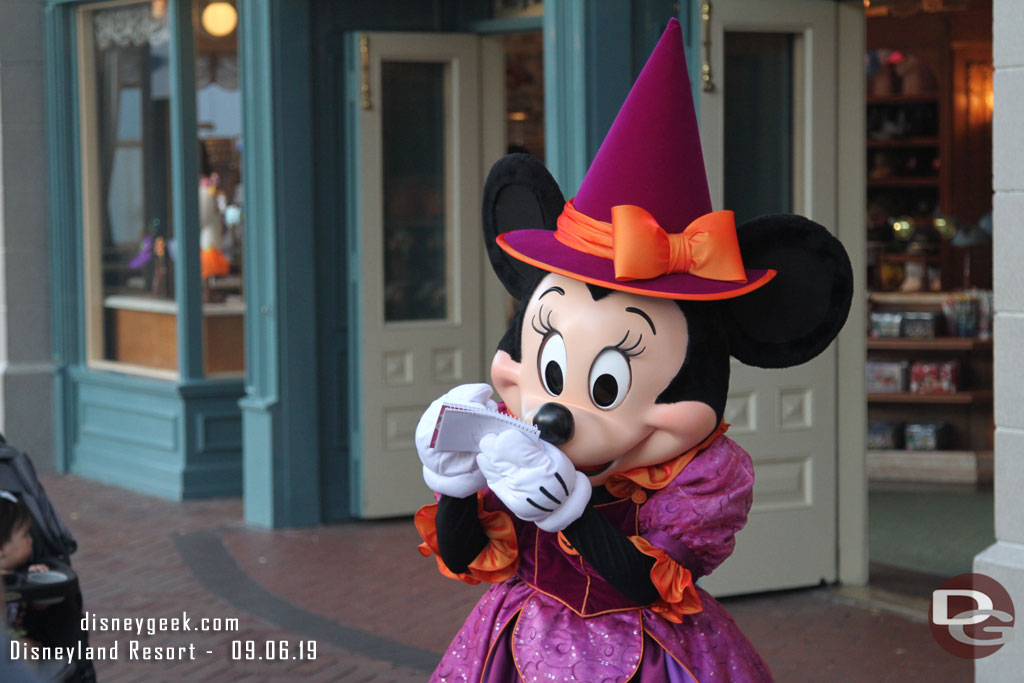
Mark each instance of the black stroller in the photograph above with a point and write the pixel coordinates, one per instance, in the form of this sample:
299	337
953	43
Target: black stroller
52	545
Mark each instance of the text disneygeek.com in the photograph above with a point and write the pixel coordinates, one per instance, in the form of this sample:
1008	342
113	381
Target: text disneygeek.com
152	625
139	649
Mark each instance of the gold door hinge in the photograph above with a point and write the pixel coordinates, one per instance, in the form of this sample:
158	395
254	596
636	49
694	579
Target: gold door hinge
364	58
705	69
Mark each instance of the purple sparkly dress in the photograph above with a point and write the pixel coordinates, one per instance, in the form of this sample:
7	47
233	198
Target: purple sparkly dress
556	619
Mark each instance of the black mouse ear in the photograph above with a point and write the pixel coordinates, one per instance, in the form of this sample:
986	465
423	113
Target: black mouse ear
519	194
795	316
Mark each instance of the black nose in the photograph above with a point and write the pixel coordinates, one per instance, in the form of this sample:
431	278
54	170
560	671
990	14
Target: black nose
555	423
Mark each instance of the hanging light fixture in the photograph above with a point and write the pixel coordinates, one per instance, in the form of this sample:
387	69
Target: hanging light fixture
219	19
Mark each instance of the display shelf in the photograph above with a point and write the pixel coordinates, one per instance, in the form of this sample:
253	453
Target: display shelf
968	413
912	181
907	258
939	467
925	98
908	298
926	118
936	344
959	397
903	142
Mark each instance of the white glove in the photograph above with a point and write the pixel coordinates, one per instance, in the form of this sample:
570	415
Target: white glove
453	473
534	479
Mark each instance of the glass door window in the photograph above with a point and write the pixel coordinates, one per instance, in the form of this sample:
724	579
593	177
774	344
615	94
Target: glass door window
415	202
759	123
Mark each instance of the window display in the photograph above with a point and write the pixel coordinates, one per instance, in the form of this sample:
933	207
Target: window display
128	212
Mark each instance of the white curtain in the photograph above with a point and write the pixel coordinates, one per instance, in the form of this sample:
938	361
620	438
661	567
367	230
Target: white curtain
131	26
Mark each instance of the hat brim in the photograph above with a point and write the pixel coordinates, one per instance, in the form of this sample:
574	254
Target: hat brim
541	249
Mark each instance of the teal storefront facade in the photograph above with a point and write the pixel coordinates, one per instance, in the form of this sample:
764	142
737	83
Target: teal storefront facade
279	433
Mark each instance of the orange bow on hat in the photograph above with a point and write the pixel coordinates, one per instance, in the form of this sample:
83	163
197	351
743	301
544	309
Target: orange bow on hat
641	249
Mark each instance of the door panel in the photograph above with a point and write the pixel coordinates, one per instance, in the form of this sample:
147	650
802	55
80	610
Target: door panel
768	131
417	248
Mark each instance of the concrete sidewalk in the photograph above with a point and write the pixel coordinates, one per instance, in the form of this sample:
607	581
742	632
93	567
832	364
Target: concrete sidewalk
375	609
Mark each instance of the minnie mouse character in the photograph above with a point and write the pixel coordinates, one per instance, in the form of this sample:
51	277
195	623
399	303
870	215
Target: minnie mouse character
633	296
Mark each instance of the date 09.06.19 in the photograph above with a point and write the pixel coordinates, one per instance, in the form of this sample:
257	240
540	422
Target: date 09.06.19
273	650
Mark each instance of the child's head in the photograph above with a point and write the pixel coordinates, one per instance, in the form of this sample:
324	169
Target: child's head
15	540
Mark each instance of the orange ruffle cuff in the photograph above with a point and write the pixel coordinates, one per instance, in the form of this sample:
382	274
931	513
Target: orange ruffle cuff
655	477
495	563
673	581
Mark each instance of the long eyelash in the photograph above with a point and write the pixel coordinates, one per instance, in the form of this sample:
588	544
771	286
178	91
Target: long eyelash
628	351
541	325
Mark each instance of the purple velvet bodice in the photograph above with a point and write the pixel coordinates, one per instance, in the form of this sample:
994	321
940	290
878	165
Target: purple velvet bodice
546	564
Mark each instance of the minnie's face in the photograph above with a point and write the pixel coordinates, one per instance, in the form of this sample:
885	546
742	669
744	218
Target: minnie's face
593	370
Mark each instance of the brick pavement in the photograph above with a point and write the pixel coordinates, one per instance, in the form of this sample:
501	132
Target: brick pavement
376	609
128	565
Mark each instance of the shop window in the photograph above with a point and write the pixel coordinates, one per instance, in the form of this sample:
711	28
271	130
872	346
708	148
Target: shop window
130	246
126	187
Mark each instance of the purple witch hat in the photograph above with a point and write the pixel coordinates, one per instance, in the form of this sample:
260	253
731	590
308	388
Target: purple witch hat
642	221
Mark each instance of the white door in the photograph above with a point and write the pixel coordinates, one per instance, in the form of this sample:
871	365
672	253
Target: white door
768	128
427	122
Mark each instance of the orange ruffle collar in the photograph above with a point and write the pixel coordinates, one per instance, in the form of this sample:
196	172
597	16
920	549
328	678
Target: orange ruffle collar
654	477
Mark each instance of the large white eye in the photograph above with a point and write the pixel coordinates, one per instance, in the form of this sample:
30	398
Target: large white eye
609	379
552	364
